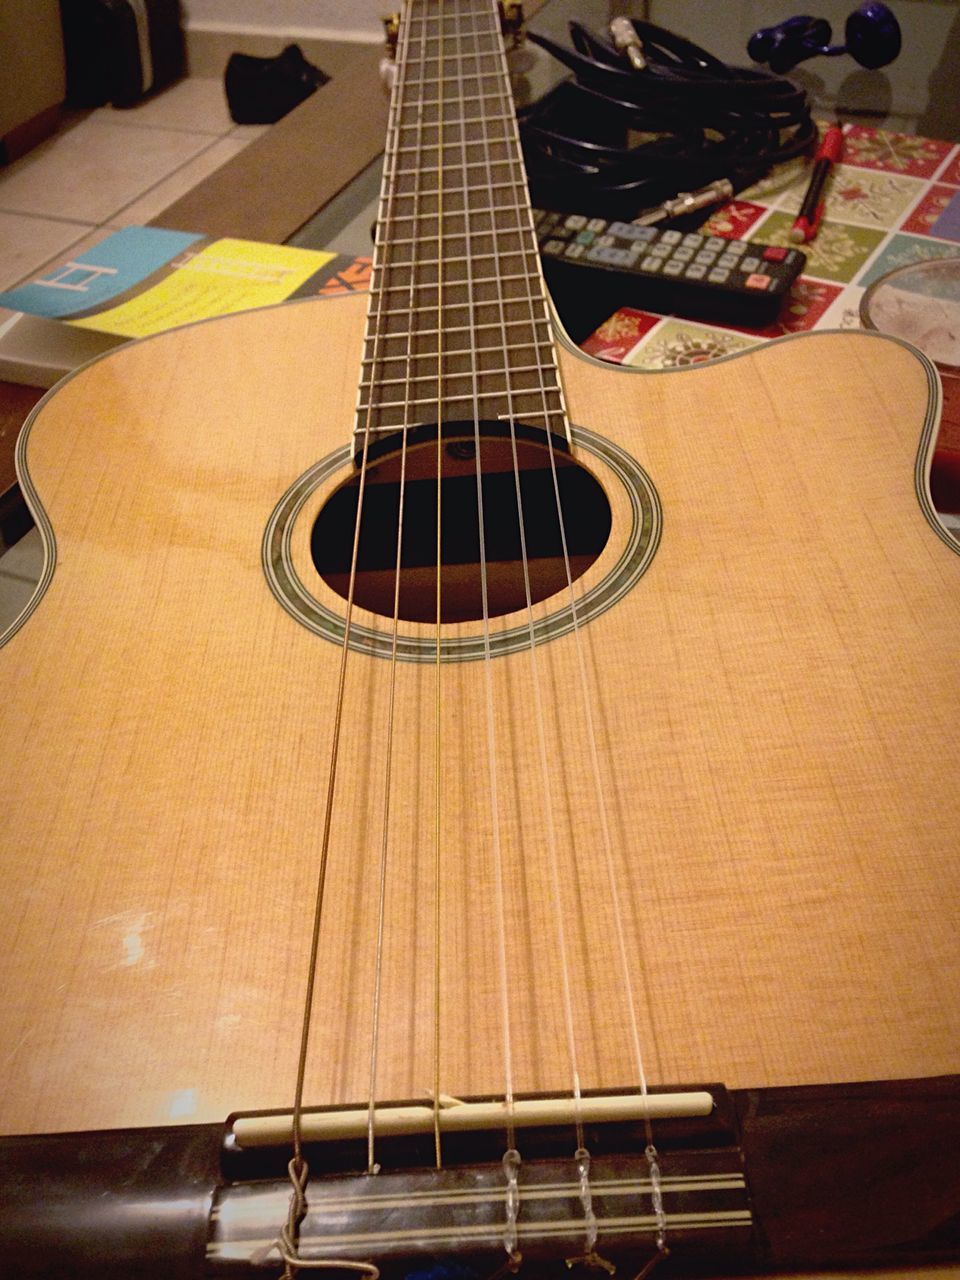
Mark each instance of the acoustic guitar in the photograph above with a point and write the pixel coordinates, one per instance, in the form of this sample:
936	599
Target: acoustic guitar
505	819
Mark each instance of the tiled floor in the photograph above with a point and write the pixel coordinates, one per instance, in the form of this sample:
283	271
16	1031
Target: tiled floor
105	169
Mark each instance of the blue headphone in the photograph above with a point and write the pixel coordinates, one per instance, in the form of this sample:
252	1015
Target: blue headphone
872	32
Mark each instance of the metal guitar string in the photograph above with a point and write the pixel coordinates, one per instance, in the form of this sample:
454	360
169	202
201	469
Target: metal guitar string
580	1154
438	665
607	844
597	773
506	95
389	179
298	1168
512	1156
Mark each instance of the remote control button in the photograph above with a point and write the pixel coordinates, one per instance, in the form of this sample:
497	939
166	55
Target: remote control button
707	257
715	243
695	271
727	260
757	282
585	237
736	246
613	257
651	264
749	264
604	242
661	250
671	237
596	224
576	222
683	253
574	251
719	275
693	241
673	267
627	231
773	253
554	246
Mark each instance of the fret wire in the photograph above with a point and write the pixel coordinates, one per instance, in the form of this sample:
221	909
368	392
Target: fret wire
513	185
506	278
481	72
380	361
401	428
477	164
445	238
428	81
462	328
448	279
367	383
495	254
495	209
487	244
460	399
446	144
465	100
427	336
486	377
485	121
448	330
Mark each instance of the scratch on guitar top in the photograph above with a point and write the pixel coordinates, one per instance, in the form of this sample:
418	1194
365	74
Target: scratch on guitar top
11	1057
131	925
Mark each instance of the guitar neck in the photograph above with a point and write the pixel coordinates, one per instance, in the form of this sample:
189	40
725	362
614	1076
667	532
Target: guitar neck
458	327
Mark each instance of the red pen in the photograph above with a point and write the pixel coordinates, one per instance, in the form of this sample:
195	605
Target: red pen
807	222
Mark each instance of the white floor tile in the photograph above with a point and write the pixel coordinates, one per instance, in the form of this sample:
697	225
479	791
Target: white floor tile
95	169
14	596
198	105
87	241
26	243
159	197
249	131
24	560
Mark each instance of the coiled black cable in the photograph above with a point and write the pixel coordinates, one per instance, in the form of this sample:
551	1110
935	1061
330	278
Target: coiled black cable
614	140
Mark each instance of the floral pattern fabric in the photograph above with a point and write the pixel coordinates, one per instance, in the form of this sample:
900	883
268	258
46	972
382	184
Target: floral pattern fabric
894	199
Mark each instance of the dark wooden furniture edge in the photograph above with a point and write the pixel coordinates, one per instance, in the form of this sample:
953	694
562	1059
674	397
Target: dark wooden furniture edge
277	183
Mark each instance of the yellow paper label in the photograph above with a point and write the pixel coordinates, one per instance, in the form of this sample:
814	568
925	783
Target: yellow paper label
223	277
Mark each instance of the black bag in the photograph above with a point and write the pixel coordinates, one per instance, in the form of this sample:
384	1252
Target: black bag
119	50
263	90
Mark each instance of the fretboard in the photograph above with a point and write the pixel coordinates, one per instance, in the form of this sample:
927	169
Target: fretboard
458	327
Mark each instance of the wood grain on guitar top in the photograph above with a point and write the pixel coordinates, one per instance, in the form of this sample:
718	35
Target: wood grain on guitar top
776	702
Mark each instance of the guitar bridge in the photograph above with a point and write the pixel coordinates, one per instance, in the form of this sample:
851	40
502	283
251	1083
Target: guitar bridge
410	1213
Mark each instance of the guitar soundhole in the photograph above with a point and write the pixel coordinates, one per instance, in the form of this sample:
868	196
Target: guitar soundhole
522	537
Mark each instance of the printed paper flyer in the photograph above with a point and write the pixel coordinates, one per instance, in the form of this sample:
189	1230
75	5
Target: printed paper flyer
143	280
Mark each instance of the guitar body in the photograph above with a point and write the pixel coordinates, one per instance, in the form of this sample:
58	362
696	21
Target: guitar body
775	703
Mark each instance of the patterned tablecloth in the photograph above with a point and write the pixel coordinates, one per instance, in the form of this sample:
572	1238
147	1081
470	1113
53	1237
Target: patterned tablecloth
894	200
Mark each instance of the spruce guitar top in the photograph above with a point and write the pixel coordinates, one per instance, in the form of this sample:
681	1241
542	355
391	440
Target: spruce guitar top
502	819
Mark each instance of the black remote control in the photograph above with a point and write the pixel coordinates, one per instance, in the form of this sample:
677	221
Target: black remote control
673	272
